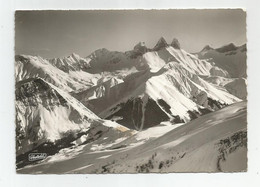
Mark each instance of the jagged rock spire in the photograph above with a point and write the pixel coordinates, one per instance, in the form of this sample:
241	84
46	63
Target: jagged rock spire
175	44
160	44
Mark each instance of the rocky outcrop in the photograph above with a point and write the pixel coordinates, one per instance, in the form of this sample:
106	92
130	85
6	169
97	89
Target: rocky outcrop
175	44
160	44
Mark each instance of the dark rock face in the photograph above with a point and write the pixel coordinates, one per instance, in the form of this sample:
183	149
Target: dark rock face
228	146
33	92
215	105
160	44
136	116
175	44
21	58
165	106
152	109
104	60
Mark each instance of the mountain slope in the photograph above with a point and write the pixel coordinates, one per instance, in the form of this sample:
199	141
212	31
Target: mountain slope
208	144
27	66
166	85
235	86
71	63
161	82
102	88
45	113
157	59
172	93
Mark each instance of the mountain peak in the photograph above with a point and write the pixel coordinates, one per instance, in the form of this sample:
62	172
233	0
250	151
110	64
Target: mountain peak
20	57
175	43
100	51
231	46
141	44
160	44
227	48
140	47
162	41
243	48
74	55
207	48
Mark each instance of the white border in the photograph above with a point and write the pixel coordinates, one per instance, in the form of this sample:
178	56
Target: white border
8	177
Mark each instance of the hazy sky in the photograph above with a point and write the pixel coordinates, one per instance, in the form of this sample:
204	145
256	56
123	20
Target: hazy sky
59	33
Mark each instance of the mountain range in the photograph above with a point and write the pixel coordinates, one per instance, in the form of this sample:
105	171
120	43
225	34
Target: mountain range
138	100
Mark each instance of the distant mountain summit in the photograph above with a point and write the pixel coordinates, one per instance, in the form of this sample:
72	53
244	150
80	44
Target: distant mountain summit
72	62
160	44
227	48
140	47
206	48
229	57
175	44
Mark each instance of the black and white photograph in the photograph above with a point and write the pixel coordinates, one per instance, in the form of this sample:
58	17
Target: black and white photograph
130	91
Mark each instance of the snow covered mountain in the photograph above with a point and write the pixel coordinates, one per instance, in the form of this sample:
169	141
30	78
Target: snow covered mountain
27	66
231	59
71	63
165	80
100	100
45	114
167	85
173	93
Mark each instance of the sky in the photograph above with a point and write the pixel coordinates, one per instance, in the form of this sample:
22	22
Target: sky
53	34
